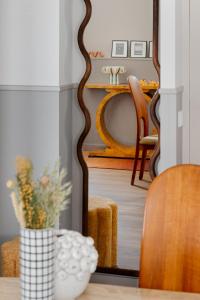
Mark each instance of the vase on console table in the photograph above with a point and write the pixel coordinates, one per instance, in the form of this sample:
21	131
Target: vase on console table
114	72
76	260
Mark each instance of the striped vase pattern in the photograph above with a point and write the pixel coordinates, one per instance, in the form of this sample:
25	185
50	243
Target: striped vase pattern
37	256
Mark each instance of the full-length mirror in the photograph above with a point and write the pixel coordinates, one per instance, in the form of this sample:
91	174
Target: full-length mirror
122	137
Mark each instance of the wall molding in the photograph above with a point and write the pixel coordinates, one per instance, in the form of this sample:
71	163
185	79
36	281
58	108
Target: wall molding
171	128
172	91
65	87
38	88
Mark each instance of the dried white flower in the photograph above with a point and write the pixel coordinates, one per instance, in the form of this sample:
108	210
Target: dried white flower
18	209
11	184
44	181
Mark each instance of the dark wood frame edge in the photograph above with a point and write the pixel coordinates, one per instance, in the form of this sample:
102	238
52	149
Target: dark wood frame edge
86	114
156	98
115	271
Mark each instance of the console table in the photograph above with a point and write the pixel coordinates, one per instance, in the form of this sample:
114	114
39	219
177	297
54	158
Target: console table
113	147
9	290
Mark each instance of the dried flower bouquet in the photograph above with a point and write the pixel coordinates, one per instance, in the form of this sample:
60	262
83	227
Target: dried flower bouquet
37	204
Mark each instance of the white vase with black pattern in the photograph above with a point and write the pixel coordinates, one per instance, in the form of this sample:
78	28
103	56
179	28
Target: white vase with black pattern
76	260
37	255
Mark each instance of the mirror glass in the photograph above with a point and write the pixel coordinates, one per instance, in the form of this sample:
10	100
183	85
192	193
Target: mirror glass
119	41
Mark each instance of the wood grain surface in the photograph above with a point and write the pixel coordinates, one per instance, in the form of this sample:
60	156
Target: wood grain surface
10	290
170	257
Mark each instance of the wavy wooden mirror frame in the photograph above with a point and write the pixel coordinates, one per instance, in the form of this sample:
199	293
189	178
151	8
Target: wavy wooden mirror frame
154	102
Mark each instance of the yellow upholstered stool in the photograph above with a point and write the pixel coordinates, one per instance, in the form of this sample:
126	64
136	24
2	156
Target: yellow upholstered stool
102	227
10	258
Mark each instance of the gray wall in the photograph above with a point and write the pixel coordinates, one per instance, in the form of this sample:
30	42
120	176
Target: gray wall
36	124
65	144
142	68
28	127
194	104
118	20
77	199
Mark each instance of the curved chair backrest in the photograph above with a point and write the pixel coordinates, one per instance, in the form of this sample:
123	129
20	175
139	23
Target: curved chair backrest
170	254
140	106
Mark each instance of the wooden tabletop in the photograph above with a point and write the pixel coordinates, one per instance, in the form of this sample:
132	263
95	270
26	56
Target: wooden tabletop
104	86
151	85
9	290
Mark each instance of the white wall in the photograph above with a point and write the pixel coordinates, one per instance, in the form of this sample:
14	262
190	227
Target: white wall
29	39
186	79
179	33
110	18
191	66
78	11
37	39
171	60
66	42
194	82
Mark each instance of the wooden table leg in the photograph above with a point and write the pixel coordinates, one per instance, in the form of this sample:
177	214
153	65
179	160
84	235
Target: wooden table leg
113	147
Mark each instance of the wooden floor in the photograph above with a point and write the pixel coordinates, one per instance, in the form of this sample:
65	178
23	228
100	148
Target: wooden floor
112	163
115	184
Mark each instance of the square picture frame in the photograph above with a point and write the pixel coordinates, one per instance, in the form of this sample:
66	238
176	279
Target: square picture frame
119	49
138	49
150	49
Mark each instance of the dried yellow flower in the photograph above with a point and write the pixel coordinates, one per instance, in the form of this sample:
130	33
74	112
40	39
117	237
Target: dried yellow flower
37	204
41	218
23	165
26	189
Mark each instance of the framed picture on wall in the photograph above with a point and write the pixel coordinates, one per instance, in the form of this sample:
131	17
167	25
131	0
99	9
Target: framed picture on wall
138	49
150	49
119	49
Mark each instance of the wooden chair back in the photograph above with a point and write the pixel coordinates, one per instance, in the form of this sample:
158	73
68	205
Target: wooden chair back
170	254
140	106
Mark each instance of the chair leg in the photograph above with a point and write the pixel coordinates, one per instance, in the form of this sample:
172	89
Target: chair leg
142	167
137	151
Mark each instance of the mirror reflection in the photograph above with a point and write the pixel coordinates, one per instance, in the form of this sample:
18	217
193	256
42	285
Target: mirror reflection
122	137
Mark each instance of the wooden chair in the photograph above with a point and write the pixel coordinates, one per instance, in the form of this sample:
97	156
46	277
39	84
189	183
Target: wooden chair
170	254
144	141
